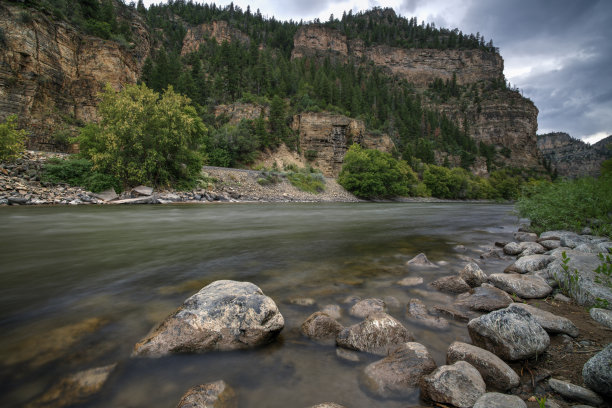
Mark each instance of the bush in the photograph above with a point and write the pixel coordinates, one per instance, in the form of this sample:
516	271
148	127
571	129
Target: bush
12	140
145	138
569	204
78	172
373	174
307	180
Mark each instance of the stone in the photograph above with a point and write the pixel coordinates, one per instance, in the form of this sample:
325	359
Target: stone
417	312
473	275
524	286
550	322
328	405
493	253
378	334
411	281
17	200
494	371
213	395
497	400
399	374
511	334
333	311
142	190
554	235
367	306
225	315
348	355
531	248
485	298
602	316
106	195
302	301
459	384
597	374
512	248
550	244
589	248
530	263
560	297
421	260
320	326
574	392
525	236
453	313
74	389
451	284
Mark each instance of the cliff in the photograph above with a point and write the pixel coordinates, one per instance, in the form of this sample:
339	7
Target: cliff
502	117
572	157
219	30
329	137
51	73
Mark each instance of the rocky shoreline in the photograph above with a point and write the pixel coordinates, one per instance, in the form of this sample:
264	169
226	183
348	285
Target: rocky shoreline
523	348
20	184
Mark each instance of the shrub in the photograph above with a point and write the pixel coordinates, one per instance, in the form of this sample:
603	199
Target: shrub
78	172
12	140
310	155
306	180
370	173
145	138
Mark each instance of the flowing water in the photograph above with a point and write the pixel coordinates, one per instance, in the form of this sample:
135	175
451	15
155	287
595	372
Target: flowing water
79	286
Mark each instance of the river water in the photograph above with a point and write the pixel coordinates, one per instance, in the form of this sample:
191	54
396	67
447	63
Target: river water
79	286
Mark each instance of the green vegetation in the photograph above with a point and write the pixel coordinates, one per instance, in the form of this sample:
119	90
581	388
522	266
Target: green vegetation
12	140
78	172
306	179
569	204
145	138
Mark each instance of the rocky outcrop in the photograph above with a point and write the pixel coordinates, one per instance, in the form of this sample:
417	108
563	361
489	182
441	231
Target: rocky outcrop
329	137
235	112
572	157
51	73
219	30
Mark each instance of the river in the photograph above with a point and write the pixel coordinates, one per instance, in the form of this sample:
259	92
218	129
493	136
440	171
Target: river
79	286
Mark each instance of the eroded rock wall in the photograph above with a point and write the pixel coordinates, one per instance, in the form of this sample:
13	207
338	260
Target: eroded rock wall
219	30
572	157
51	74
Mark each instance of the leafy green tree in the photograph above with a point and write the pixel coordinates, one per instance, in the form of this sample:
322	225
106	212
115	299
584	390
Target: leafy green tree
145	138
371	173
12	140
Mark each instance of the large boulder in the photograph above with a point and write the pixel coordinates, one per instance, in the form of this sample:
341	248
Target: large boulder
602	316
378	334
531	248
512	334
575	392
529	263
398	374
213	395
597	374
494	371
525	286
485	298
550	322
473	275
417	312
225	315
459	384
320	326
497	400
367	306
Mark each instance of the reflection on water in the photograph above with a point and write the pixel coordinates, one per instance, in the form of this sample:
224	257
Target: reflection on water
80	286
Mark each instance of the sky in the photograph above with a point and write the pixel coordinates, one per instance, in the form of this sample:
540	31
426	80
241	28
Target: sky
557	52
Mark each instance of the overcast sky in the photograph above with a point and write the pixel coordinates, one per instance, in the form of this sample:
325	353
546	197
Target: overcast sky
558	52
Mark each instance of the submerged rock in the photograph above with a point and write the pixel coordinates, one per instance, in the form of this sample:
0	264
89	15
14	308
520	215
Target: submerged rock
399	374
494	371
421	260
512	334
459	384
213	395
597	373
333	311
417	312
365	307
451	284
411	281
320	326
378	334
224	315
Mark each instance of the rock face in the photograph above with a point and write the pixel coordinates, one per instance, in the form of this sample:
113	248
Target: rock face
219	30
378	334
399	374
597	374
330	135
459	384
48	69
238	111
572	157
224	315
495	373
512	334
212	395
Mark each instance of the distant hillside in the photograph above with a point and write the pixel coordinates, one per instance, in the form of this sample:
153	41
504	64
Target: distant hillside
571	157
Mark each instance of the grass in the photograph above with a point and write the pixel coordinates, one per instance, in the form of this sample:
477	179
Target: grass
307	180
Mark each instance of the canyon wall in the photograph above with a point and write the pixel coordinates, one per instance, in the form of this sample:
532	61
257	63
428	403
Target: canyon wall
219	30
572	157
51	74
